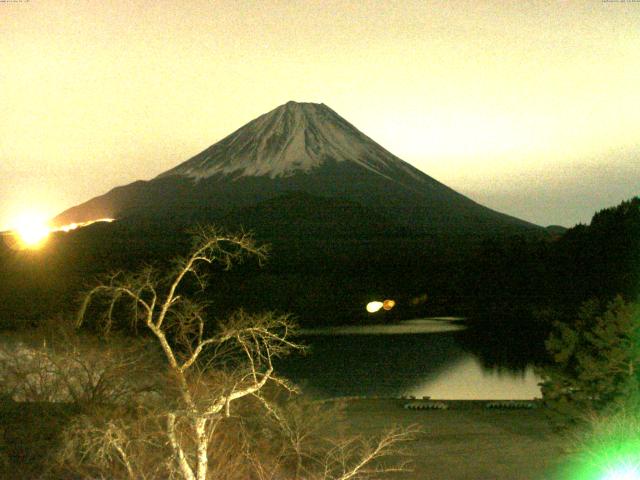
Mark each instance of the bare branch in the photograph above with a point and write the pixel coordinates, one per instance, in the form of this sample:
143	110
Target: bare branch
185	468
368	454
196	352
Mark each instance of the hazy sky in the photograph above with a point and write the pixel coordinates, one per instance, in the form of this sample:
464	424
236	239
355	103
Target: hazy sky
529	107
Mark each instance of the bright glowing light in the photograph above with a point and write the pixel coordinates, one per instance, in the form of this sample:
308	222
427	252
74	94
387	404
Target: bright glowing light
609	453
373	307
623	472
68	228
74	226
388	304
32	230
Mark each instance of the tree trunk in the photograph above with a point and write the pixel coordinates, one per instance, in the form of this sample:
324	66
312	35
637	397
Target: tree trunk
183	464
202	459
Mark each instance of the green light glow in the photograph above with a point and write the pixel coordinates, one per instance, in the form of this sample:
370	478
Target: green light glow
623	472
608	449
611	461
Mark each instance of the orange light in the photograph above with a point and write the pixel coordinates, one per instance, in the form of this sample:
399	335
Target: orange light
388	304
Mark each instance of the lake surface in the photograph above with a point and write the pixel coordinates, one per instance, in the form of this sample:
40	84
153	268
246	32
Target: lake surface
425	357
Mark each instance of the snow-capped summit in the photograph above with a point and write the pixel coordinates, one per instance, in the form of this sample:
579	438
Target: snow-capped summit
291	138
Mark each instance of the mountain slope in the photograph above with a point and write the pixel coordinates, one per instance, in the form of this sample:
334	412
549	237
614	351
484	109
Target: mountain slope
300	214
292	138
298	147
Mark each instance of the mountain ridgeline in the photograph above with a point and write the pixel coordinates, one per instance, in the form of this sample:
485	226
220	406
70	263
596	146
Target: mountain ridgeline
347	223
304	152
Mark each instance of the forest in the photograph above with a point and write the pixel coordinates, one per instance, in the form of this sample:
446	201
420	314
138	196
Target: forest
328	280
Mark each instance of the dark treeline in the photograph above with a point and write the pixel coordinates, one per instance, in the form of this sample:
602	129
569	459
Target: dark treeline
325	274
598	260
520	286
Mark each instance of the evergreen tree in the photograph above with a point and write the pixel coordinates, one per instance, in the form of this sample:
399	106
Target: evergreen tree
596	360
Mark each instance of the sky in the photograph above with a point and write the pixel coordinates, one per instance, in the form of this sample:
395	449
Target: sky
531	108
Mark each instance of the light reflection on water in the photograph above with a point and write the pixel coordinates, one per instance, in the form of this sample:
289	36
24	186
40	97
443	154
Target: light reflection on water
420	325
412	358
468	380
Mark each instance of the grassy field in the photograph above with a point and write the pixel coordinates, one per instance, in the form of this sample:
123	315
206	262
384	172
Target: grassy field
467	441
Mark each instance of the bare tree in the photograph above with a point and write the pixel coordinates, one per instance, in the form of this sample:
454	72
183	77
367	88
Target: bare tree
206	376
243	348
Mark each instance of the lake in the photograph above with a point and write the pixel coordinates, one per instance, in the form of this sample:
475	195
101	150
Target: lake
423	357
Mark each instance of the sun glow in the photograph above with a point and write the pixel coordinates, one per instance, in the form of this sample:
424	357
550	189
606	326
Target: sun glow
31	230
74	226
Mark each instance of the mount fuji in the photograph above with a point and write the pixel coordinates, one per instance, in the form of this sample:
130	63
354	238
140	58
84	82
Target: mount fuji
302	159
